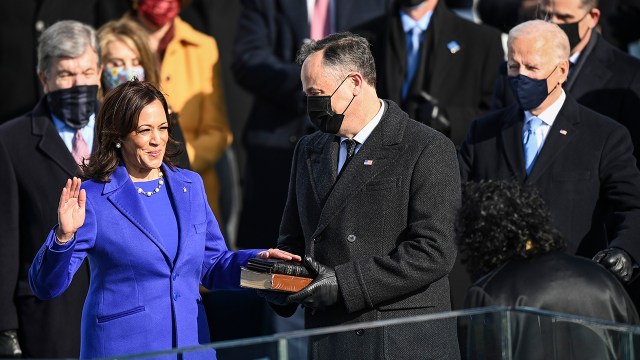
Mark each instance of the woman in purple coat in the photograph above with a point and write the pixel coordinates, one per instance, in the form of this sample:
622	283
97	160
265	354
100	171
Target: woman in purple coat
148	232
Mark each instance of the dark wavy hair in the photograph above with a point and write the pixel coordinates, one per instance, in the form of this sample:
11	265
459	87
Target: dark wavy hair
502	220
118	117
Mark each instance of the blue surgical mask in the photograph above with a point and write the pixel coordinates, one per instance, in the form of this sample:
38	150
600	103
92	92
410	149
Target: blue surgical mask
321	113
116	75
530	93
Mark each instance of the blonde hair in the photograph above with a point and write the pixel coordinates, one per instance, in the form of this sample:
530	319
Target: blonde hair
134	36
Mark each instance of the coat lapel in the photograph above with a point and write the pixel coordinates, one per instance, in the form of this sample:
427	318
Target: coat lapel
123	195
181	191
395	57
343	9
511	139
382	147
440	33
296	12
560	134
322	162
51	144
597	63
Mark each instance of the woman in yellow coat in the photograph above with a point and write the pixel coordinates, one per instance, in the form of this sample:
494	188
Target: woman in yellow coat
190	77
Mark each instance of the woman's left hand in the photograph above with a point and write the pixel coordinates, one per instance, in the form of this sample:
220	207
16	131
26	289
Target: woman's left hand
278	254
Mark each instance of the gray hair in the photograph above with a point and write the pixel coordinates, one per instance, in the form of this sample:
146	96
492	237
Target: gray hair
65	39
550	32
343	52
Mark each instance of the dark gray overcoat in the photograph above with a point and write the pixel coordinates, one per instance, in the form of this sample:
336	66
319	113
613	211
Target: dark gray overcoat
386	226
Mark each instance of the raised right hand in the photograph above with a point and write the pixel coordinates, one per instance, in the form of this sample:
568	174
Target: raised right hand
71	210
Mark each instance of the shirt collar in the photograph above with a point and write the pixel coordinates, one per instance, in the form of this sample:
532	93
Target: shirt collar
549	115
363	134
408	23
574	57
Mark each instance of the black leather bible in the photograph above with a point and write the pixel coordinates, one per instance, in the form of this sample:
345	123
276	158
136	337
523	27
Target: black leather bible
277	266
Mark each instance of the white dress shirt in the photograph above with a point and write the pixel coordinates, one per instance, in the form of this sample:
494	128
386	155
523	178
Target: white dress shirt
360	137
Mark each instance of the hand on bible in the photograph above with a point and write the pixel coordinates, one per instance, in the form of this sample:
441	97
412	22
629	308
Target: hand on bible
278	254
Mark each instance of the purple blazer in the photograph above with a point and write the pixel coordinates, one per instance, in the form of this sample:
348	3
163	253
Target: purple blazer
140	299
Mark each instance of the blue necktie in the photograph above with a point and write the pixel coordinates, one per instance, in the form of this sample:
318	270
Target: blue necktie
531	145
413	50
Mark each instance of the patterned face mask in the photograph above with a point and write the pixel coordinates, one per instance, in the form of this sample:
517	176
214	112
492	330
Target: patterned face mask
74	105
114	76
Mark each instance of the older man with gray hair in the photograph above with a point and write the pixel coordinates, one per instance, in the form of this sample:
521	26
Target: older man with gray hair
602	78
39	151
581	162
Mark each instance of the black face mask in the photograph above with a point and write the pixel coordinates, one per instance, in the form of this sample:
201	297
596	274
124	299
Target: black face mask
74	105
321	114
530	93
410	3
573	32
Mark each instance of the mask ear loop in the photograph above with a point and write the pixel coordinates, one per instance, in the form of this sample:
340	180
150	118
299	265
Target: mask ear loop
555	87
343	80
345	109
349	104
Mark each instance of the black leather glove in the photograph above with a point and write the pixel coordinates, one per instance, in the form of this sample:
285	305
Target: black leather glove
274	297
323	290
617	261
9	346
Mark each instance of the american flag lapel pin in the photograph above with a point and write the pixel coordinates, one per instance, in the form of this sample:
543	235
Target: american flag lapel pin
563	132
368	162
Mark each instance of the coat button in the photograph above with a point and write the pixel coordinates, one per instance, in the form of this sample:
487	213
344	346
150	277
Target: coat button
40	26
175	276
175	296
360	332
351	238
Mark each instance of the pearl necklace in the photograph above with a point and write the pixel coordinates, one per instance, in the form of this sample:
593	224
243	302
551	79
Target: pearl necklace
156	190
